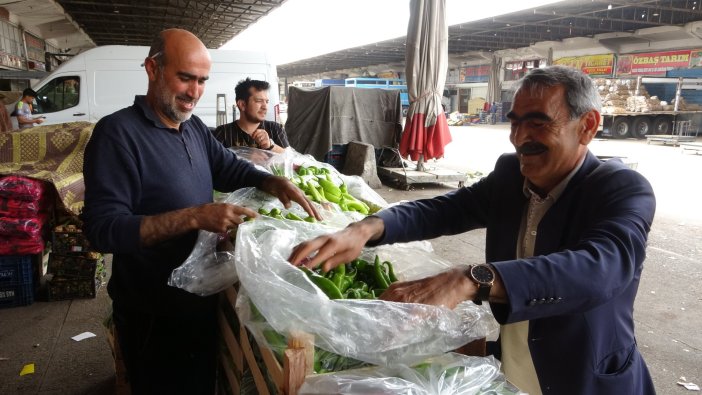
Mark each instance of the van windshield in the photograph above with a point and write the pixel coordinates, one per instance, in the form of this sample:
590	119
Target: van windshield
59	94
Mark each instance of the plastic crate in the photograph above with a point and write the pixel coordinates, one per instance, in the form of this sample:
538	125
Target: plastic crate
71	288
13	295
337	156
68	242
15	269
16	285
73	266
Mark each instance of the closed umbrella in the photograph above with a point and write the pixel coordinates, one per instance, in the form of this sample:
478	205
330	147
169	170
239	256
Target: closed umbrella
494	91
426	131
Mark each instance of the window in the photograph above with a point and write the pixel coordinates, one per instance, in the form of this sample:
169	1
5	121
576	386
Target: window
59	94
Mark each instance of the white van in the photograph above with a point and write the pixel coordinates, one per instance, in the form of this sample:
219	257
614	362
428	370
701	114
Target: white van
105	79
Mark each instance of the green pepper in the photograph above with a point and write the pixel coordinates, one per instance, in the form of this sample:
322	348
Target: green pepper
275	211
379	275
310	218
351	272
302	171
360	285
352	293
367	295
391	271
323	283
291	216
329	187
263	211
330	196
315	194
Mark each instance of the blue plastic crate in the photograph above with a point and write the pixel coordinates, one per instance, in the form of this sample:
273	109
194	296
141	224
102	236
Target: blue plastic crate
16	284
15	269
337	156
13	295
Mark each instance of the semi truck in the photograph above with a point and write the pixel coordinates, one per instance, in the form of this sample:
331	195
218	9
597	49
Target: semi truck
662	120
104	79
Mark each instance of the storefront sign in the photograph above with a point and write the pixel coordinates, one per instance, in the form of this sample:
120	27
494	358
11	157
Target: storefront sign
594	65
653	63
477	73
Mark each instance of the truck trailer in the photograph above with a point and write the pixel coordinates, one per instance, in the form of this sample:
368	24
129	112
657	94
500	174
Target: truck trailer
643	115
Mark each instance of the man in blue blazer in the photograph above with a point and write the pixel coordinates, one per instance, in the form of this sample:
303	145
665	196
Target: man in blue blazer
565	245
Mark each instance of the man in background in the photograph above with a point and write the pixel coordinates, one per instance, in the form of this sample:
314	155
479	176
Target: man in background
23	110
252	129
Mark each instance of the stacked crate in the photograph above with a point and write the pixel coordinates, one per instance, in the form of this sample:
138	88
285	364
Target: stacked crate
16	285
74	270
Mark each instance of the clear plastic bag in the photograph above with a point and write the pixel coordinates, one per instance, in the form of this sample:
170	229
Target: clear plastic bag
446	374
210	269
373	331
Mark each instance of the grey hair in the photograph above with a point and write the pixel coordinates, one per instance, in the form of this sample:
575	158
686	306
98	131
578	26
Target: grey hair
580	90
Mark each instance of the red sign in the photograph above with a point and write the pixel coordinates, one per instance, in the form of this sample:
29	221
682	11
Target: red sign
653	63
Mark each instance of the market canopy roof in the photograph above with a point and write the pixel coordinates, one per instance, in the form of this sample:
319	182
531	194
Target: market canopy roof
553	22
135	22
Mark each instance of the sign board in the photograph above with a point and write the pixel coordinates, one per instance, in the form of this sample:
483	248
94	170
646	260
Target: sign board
652	63
594	65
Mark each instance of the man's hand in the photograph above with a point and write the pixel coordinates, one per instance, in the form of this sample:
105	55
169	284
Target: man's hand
336	248
260	136
447	289
213	217
286	192
221	217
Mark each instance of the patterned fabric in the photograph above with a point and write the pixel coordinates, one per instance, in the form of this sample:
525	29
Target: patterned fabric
53	153
231	135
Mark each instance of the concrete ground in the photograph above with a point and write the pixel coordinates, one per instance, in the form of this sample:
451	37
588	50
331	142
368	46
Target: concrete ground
668	308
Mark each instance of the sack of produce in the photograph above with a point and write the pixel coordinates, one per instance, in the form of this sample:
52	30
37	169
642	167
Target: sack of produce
368	330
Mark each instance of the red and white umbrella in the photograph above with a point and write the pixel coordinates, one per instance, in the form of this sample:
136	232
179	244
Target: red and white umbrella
426	131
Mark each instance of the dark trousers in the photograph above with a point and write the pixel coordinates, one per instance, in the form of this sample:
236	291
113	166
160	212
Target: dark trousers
168	355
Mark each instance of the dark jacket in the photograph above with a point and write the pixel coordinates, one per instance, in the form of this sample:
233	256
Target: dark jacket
578	290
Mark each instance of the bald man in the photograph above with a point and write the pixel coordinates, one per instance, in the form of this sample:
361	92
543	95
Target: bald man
150	170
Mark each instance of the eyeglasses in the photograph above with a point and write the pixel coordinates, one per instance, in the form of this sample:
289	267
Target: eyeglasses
154	56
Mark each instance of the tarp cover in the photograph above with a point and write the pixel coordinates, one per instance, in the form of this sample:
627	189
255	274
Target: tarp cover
321	117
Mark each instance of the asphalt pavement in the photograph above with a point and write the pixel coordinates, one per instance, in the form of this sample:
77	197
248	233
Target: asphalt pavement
668	307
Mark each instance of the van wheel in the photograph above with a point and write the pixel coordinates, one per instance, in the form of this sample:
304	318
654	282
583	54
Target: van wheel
620	128
642	126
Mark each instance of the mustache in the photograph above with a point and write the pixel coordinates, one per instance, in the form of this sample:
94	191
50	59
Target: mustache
531	148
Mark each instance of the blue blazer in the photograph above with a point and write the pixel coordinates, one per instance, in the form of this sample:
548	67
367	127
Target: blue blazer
578	290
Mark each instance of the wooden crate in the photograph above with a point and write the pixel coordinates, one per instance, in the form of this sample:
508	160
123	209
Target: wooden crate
238	355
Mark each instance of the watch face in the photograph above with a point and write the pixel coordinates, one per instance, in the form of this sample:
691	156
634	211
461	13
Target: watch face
482	274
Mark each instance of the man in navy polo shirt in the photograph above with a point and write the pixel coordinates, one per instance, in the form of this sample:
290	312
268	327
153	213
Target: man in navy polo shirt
150	170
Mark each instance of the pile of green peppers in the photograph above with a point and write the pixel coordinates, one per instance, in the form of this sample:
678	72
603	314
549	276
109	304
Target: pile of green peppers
358	279
322	189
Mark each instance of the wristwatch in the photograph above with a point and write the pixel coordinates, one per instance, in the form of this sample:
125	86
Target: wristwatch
484	276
